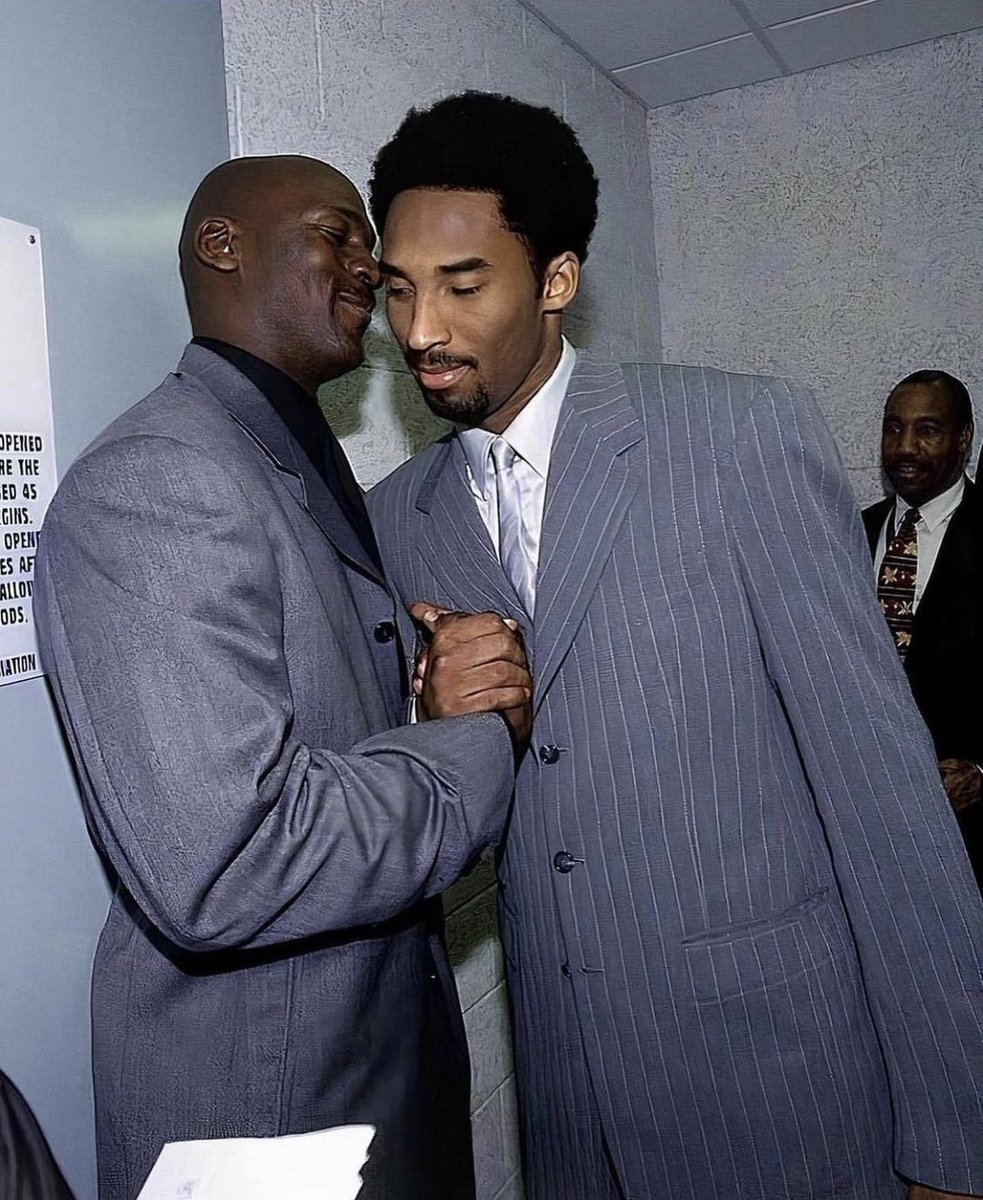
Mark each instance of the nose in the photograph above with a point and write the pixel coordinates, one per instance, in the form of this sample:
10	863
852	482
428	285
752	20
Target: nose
906	440
364	267
427	328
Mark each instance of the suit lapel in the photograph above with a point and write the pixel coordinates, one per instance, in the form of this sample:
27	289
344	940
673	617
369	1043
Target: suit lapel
957	560
592	480
456	544
253	413
873	519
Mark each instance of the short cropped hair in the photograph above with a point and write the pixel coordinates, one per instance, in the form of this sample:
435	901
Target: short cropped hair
954	388
484	142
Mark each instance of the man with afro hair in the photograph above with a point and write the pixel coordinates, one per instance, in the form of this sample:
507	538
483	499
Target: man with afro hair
742	939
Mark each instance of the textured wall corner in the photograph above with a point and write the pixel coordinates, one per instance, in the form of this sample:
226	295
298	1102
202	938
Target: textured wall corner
828	226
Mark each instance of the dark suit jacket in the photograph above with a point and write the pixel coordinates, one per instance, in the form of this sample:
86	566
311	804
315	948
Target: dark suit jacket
220	649
945	662
739	924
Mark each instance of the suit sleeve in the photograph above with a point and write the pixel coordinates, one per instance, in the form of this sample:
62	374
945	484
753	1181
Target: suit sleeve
902	869
161	623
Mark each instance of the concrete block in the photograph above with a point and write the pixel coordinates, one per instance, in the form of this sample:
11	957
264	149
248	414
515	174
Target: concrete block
512	1190
474	947
487	1024
490	1163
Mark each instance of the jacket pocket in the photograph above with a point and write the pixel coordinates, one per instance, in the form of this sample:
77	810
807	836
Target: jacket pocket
738	959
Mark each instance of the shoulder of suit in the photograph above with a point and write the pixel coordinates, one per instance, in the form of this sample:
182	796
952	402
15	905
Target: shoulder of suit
718	400
180	411
734	388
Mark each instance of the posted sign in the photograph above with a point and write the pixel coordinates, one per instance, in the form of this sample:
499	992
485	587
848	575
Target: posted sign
27	452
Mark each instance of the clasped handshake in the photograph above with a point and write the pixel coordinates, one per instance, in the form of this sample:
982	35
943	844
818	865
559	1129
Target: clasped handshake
474	662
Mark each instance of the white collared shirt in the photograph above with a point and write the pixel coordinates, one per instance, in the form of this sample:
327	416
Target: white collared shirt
531	437
935	515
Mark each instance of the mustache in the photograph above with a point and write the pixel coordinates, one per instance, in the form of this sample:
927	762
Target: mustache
437	361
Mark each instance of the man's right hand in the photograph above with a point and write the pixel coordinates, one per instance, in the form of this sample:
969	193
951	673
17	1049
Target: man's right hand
475	662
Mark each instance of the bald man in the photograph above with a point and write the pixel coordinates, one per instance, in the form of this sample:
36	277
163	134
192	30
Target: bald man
229	667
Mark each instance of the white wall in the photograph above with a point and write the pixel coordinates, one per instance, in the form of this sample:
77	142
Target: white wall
334	80
829	226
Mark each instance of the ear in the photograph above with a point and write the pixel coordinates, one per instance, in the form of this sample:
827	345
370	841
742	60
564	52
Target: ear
966	440
561	282
217	244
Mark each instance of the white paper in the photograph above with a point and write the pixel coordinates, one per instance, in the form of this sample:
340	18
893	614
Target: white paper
27	447
324	1165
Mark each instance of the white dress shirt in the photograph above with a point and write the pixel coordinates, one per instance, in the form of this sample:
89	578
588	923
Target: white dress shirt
531	437
935	515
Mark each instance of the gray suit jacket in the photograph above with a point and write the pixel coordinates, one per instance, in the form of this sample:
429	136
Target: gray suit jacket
738	922
221	653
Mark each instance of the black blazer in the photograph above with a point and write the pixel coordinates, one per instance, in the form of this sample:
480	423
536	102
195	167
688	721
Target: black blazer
945	662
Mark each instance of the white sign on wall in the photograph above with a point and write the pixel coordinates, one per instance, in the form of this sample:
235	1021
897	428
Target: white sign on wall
27	451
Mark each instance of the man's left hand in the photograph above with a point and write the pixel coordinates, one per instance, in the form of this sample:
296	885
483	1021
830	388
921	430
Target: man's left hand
963	784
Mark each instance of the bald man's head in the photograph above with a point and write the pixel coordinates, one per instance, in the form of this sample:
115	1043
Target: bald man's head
276	257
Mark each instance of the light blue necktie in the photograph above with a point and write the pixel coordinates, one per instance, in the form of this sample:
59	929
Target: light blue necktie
515	550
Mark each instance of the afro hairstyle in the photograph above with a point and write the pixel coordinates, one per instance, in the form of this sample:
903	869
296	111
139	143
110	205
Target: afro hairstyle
484	142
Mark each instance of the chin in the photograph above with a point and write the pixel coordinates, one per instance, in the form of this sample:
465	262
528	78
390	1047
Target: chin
462	410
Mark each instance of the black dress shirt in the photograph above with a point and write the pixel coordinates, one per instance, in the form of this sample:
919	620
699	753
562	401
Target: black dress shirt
302	416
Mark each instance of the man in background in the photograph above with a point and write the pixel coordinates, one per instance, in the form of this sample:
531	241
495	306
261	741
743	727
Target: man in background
927	543
227	662
742	939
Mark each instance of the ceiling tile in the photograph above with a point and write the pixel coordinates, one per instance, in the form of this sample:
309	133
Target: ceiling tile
696	72
631	31
770	12
869	27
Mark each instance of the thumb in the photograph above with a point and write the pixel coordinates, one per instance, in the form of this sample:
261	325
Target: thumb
427	614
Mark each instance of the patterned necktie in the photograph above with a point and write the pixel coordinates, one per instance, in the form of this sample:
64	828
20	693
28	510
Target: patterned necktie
896	580
515	550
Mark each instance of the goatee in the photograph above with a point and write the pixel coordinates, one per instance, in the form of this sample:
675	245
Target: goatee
467	410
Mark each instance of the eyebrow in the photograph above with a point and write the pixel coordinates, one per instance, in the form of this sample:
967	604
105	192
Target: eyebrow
456	268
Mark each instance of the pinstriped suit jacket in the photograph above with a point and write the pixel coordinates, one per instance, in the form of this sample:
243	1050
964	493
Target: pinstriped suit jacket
763	971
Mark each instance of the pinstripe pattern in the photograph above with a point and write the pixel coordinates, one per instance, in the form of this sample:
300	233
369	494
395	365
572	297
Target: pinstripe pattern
773	940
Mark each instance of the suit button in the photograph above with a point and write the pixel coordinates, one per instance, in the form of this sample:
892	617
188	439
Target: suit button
548	755
565	971
564	862
385	631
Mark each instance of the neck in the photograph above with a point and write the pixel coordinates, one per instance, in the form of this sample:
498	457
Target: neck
259	347
542	369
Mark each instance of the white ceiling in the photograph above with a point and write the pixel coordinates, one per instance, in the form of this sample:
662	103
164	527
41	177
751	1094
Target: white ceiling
662	51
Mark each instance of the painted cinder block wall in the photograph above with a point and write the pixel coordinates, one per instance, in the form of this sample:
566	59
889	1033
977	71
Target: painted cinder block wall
334	80
829	226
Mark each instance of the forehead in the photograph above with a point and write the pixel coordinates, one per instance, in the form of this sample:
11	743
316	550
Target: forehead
313	190
920	400
443	226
